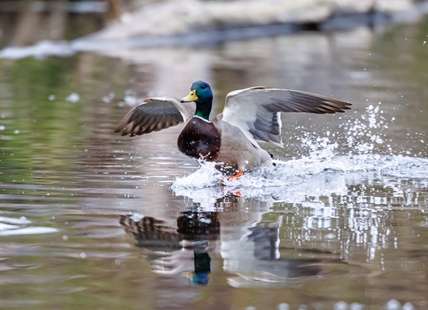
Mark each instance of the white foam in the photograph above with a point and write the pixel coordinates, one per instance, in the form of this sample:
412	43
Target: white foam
296	179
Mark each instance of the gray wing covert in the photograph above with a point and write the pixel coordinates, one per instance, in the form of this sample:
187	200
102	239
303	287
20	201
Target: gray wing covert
256	110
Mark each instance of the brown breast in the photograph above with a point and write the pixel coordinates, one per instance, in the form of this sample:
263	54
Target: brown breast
200	138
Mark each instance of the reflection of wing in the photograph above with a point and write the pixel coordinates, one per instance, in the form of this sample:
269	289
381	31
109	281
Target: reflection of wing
155	114
258	260
151	233
256	110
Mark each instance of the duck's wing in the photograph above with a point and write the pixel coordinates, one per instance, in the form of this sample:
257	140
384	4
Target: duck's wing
155	114
256	110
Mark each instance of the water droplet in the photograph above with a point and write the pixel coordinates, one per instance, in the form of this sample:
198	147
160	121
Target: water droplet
24	220
356	306
341	305
74	97
393	304
408	306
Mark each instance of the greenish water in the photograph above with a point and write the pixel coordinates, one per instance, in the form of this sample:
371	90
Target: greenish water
345	219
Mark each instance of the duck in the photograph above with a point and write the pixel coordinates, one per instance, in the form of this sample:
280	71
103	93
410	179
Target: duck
231	138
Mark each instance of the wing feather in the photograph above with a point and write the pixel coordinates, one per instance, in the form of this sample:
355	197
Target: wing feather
256	110
155	114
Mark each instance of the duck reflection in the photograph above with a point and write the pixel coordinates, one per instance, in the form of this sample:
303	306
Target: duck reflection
248	244
180	249
259	260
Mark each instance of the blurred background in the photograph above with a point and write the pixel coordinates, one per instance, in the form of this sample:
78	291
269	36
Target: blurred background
25	22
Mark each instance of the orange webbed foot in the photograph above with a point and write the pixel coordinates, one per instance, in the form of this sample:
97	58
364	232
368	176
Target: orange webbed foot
236	176
233	177
237	194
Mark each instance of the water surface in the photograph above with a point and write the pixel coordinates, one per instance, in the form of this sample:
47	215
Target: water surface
90	219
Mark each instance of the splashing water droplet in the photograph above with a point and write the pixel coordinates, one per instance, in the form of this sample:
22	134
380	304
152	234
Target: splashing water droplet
73	97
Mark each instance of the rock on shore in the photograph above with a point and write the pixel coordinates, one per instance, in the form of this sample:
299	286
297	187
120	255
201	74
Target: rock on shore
184	16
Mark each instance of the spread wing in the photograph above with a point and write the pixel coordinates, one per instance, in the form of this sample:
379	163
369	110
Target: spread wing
256	110
155	114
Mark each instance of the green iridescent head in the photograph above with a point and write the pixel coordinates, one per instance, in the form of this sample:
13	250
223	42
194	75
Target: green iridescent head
201	94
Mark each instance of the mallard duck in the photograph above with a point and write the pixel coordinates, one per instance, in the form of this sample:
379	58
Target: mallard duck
229	139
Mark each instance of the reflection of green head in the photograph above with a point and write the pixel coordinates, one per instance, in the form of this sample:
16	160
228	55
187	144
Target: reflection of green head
201	94
202	269
200	278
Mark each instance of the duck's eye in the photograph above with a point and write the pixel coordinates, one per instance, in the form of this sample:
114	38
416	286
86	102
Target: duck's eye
203	86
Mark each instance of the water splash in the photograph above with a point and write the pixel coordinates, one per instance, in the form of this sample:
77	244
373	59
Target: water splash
363	135
332	161
311	175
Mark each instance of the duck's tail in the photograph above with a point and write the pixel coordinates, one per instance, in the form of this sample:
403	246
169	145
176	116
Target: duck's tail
278	162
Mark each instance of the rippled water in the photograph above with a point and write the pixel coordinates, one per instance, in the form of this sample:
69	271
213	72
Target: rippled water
90	219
